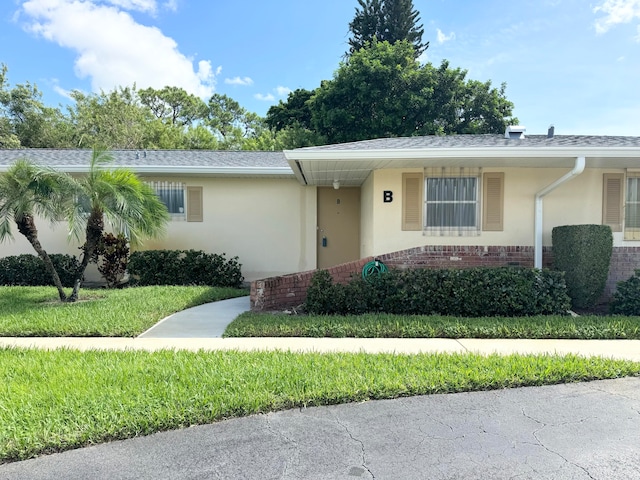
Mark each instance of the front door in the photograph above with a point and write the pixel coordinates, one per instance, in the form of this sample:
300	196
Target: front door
338	226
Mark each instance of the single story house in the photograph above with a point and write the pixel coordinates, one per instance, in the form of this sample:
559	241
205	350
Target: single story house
445	201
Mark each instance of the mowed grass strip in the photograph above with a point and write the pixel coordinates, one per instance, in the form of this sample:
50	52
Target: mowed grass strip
127	312
251	324
52	401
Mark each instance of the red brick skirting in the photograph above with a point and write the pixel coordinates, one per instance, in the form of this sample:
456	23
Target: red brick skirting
289	291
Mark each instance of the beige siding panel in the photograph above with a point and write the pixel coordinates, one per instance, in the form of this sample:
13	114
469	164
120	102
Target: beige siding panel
194	204
612	200
412	187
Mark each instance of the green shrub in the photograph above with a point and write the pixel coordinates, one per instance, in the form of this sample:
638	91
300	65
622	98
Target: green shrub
583	252
184	267
29	270
626	299
469	293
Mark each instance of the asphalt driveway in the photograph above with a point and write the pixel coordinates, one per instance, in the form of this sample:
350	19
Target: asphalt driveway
575	431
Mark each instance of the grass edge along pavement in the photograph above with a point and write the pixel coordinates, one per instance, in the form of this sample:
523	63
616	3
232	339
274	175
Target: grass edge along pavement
126	312
56	400
588	327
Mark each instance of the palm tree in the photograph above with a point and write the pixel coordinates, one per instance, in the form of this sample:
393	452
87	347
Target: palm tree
27	190
118	197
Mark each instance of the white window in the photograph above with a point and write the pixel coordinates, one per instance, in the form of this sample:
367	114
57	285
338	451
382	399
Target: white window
172	195
451	202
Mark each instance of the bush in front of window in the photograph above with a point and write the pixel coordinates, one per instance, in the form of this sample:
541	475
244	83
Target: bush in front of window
583	252
626	299
184	267
474	292
29	270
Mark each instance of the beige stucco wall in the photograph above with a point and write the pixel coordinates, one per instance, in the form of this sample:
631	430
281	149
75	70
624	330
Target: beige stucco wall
575	202
367	202
270	224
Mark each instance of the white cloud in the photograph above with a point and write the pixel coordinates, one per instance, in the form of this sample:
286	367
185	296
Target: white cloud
171	5
444	38
244	81
59	90
616	12
112	49
267	98
283	91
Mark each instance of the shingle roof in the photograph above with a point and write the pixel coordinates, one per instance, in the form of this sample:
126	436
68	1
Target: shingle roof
151	158
480	141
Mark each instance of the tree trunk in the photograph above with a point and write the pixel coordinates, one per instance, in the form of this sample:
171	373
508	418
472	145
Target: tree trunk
27	227
95	227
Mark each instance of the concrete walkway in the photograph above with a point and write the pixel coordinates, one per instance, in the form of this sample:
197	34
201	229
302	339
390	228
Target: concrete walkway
204	321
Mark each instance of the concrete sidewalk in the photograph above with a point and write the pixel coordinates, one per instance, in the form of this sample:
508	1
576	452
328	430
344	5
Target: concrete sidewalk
619	349
201	328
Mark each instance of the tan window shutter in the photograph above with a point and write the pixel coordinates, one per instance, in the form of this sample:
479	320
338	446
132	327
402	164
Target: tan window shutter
412	188
194	204
612	200
493	202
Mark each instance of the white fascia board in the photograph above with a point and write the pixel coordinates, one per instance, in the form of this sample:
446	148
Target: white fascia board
190	170
479	152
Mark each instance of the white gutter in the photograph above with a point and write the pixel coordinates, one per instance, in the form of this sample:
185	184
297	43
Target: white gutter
578	168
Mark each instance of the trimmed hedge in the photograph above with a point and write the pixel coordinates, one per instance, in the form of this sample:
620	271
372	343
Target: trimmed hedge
475	292
626	299
583	252
184	267
29	270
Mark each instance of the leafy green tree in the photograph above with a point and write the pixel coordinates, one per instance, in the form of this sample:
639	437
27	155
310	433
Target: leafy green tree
26	122
117	197
232	125
113	120
386	20
295	111
379	92
382	91
27	190
174	105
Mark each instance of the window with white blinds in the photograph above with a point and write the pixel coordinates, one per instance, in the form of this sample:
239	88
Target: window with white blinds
451	202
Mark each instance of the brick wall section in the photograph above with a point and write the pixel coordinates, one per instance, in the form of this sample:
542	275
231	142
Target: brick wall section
452	256
624	262
290	291
278	293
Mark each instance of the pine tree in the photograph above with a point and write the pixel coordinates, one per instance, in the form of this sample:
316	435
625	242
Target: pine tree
386	20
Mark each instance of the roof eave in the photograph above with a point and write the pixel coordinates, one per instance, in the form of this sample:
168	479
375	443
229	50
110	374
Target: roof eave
466	152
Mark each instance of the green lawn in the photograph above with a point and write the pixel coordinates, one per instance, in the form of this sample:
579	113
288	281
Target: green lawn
58	400
127	312
252	324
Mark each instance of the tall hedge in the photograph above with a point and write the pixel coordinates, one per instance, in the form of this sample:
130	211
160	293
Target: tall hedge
583	252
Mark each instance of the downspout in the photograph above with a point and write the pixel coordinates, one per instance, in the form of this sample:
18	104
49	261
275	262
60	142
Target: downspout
578	168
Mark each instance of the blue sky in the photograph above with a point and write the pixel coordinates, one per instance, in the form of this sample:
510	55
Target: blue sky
571	63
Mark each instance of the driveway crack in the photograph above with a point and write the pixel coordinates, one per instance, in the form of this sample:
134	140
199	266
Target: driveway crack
291	441
362	447
553	452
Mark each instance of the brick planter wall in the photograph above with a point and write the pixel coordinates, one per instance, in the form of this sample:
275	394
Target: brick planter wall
289	291
624	262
